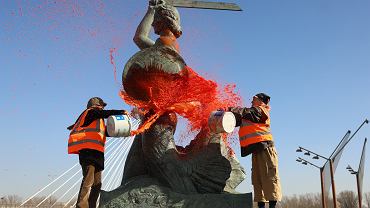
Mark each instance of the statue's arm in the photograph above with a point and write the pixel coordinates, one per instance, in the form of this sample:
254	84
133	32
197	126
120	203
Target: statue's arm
141	38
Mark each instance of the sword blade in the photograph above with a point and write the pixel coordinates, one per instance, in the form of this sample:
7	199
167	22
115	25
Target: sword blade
205	5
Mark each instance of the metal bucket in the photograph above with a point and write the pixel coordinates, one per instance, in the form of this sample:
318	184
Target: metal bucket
222	122
119	126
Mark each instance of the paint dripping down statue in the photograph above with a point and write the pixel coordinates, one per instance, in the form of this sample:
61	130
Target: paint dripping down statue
158	173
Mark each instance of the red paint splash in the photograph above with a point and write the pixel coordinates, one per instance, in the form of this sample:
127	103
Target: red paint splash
111	51
187	93
83	22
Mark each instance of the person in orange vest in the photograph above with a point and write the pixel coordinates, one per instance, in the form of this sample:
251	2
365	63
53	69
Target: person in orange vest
87	139
256	139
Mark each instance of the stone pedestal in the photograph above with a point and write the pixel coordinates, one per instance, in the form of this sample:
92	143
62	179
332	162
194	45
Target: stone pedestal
146	192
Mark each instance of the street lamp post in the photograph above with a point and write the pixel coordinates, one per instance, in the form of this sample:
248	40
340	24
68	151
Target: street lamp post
317	156
336	154
332	183
305	162
349	168
359	175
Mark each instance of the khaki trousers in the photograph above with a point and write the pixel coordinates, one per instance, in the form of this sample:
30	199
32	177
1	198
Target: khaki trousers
90	187
265	176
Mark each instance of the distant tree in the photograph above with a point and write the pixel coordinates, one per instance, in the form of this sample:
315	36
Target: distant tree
306	201
48	202
366	199
72	203
34	201
16	201
347	199
289	202
11	199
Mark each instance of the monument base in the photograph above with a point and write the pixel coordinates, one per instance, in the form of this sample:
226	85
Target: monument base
145	191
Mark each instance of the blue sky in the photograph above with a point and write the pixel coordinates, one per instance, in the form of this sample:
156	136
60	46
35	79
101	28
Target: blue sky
311	57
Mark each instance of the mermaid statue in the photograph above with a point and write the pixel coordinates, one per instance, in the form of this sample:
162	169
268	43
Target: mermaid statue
159	84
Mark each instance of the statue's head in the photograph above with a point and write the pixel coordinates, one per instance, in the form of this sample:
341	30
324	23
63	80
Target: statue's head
167	17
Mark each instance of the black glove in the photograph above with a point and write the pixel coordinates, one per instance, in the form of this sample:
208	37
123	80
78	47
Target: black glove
70	127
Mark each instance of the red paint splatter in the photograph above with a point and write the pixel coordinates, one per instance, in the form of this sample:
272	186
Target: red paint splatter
111	51
187	93
100	8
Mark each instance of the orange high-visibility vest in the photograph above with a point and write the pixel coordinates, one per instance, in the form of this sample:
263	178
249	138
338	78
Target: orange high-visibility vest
251	133
87	137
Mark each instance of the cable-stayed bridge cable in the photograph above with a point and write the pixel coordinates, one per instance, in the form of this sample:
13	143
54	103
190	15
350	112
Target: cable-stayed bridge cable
57	189
28	199
115	161
119	170
119	146
48	184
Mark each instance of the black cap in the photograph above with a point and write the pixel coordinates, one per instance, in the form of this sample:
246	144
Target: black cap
263	97
96	101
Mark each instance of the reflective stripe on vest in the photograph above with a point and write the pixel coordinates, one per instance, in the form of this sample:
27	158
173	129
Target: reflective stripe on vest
250	133
89	137
87	140
255	134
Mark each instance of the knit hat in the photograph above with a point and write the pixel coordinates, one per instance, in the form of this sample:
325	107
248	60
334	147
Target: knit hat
96	101
263	97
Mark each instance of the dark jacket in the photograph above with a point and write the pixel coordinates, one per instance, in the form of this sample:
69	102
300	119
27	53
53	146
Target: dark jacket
89	156
255	115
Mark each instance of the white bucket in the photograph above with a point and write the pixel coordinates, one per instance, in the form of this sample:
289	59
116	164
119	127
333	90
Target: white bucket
119	126
222	122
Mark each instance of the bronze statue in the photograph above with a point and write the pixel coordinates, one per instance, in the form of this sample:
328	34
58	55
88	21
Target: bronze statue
203	174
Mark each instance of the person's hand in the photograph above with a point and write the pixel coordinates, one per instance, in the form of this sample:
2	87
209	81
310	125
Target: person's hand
124	112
